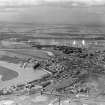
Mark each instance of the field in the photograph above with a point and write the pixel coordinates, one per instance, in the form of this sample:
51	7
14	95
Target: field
12	74
11	71
7	74
29	52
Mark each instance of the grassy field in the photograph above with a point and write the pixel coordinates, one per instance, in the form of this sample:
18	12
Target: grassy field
10	68
27	74
7	74
27	52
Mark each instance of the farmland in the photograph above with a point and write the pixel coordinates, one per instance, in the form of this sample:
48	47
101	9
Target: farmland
63	70
11	70
7	74
72	73
52	69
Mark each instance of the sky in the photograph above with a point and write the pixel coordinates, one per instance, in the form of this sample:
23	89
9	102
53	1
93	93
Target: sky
38	2
53	11
11	5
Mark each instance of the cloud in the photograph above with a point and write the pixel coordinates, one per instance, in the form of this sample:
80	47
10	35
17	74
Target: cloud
27	3
19	2
78	2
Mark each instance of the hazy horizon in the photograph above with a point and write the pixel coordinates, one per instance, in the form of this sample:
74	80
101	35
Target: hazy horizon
90	12
57	15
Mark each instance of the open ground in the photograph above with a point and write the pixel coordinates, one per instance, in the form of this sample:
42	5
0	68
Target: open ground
19	75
